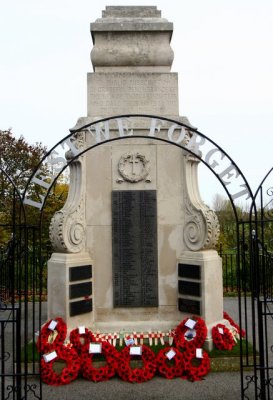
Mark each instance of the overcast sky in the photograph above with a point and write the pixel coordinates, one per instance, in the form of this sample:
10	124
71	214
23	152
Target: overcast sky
223	54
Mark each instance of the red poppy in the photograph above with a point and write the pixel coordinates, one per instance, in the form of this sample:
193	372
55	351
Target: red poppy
68	374
45	344
181	337
102	373
138	375
222	337
240	331
170	368
81	341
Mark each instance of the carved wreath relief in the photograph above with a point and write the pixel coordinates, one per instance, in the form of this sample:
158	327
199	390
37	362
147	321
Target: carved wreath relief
133	167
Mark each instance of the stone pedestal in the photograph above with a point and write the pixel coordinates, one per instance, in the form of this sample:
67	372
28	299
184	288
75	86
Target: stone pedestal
70	288
200	287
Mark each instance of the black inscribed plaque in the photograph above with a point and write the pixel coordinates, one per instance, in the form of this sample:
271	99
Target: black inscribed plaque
80	290
189	306
80	273
134	246
189	271
80	307
190	288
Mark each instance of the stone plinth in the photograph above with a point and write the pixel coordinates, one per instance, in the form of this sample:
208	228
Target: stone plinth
115	93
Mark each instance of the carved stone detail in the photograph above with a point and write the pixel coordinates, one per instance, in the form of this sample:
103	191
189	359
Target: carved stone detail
132	173
67	227
202	229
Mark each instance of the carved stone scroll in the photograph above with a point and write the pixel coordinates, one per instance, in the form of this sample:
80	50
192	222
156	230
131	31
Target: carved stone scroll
67	227
202	228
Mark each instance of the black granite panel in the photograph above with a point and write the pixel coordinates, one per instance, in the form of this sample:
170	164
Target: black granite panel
190	288
80	290
189	271
80	273
189	306
134	244
80	307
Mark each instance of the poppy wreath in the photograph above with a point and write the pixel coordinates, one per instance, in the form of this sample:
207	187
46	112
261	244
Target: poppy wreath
136	375
201	333
195	368
170	368
222	341
81	341
240	331
101	373
44	344
68	374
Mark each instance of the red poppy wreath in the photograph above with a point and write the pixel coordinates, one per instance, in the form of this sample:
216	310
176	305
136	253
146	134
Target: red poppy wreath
222	337
68	374
195	367
136	375
240	331
196	335
170	362
52	335
105	372
81	341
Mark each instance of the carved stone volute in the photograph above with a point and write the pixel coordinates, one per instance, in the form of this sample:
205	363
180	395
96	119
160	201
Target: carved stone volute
202	229
67	227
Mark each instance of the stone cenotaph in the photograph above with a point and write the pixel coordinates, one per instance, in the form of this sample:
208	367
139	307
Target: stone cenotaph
134	243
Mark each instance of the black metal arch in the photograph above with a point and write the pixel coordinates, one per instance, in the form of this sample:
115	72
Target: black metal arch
181	146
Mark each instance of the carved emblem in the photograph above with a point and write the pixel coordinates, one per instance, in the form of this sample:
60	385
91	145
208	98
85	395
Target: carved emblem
133	167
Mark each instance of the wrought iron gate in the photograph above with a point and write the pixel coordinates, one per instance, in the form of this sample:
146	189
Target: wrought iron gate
20	298
255	283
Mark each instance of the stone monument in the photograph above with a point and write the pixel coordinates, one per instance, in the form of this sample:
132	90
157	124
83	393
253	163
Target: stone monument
134	242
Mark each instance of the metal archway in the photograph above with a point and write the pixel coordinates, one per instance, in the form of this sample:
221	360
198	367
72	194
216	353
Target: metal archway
254	384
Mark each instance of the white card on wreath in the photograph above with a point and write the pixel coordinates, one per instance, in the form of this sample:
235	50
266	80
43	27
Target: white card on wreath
170	354
52	325
94	348
136	350
199	353
128	342
190	323
221	330
81	330
50	356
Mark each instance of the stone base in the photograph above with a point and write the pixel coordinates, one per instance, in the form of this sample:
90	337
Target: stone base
70	289
203	271
140	319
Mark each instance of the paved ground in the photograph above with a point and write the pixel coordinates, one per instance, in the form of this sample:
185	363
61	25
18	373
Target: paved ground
218	386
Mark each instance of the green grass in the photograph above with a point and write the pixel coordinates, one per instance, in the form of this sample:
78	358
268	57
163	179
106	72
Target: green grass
247	348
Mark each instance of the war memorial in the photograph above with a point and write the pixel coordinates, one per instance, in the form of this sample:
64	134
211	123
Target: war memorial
134	264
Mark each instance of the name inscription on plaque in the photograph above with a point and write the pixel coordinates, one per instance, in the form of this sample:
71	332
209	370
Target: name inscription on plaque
134	238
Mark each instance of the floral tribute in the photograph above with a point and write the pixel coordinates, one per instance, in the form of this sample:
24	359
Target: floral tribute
222	337
133	375
101	373
170	362
69	372
197	363
182	355
190	330
240	331
81	340
52	335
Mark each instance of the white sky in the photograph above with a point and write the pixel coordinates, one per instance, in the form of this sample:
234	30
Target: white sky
223	54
